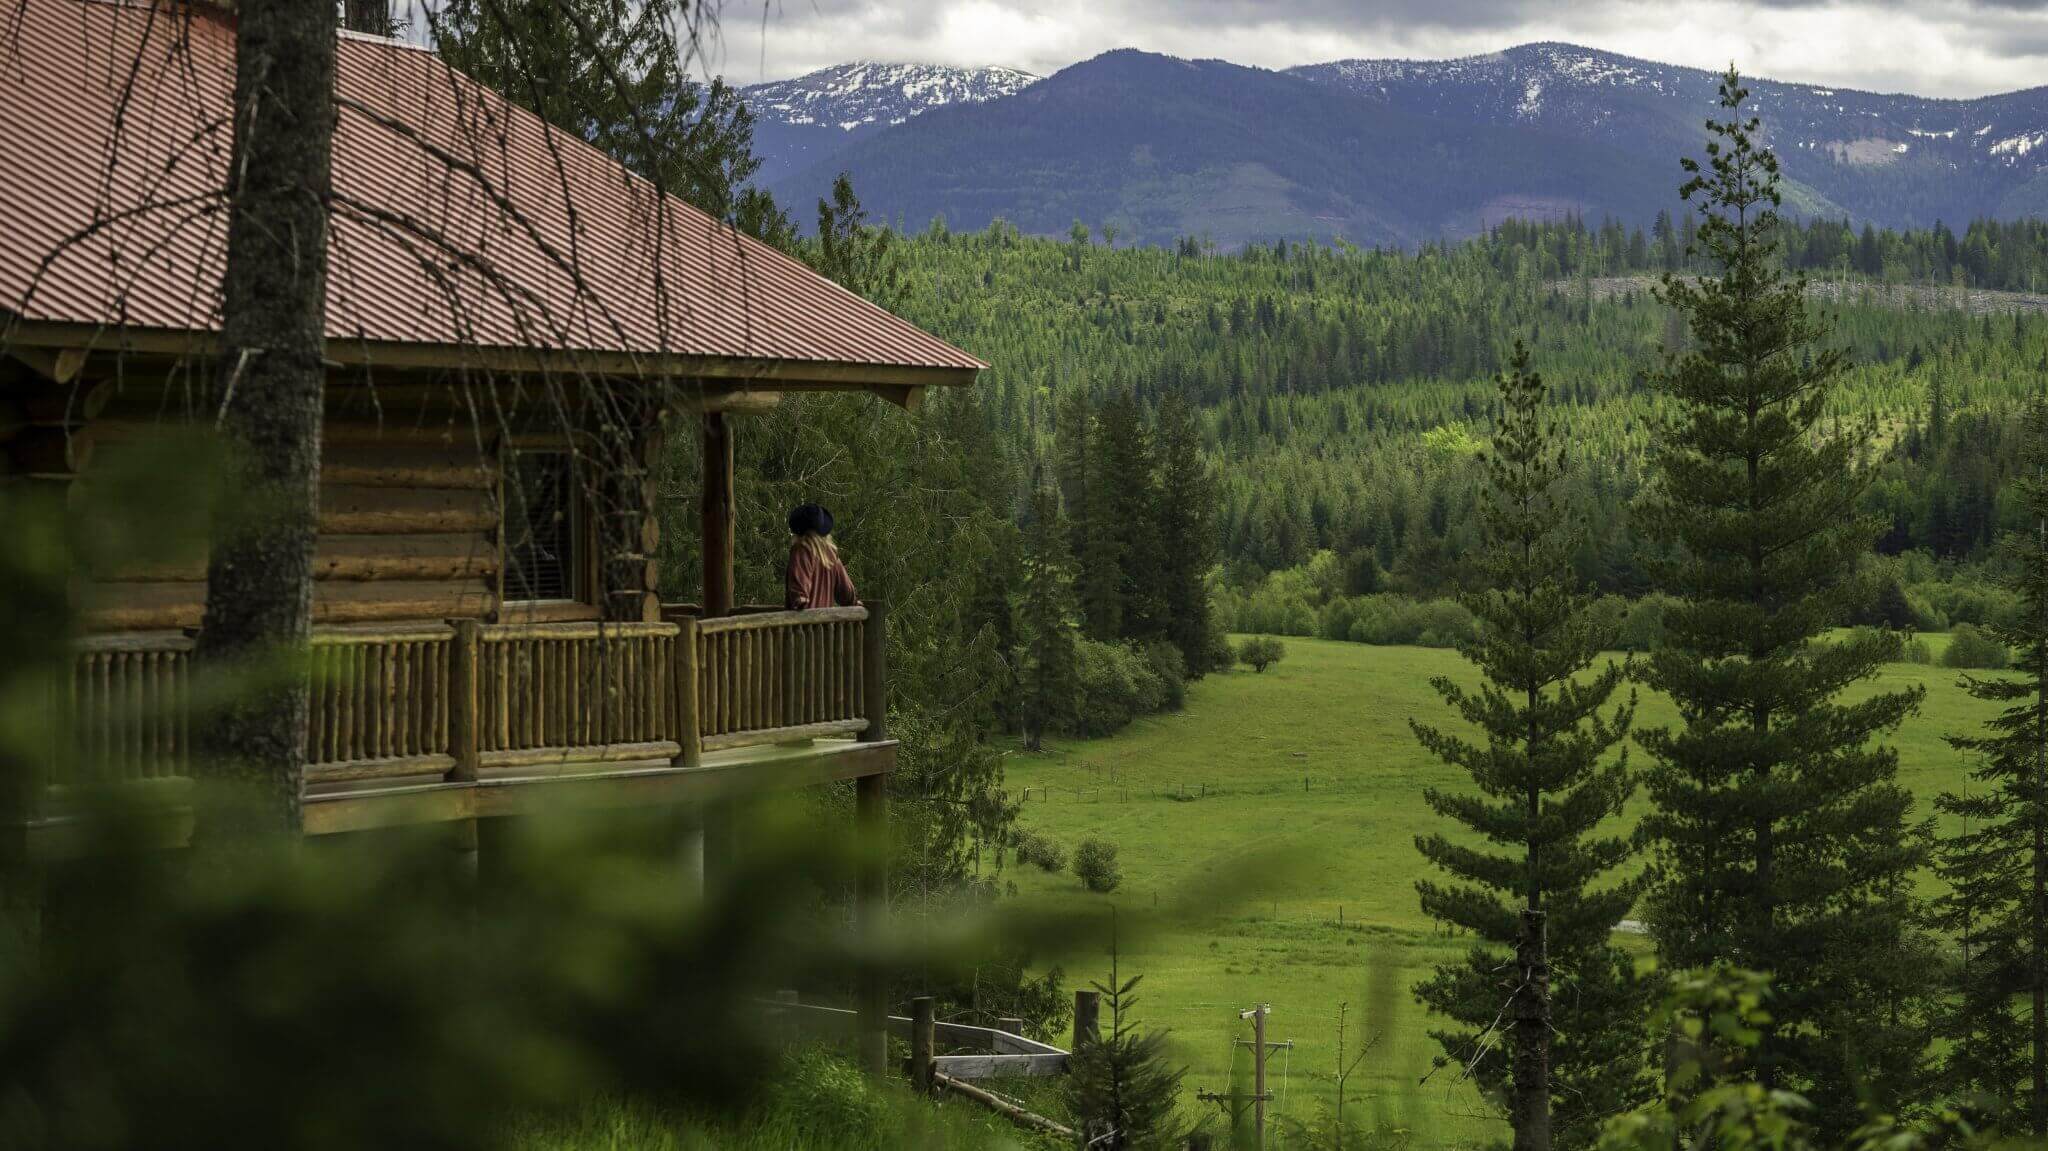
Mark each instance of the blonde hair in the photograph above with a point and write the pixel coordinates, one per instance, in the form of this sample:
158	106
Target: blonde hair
821	548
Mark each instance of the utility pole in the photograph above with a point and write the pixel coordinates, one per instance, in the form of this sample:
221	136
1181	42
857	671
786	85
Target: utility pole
1233	1101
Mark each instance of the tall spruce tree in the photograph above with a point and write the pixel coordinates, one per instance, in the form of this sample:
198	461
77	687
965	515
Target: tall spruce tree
1541	901
1125	490
1097	549
1997	865
1187	529
1781	833
1047	620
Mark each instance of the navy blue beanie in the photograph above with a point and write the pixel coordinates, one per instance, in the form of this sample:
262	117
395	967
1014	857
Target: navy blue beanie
810	518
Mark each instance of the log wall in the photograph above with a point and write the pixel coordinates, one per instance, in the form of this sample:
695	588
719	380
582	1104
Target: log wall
409	492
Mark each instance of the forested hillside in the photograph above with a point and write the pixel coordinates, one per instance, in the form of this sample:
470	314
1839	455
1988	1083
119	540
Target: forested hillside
1343	394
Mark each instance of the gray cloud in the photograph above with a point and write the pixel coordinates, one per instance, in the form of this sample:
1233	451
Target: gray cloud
1932	47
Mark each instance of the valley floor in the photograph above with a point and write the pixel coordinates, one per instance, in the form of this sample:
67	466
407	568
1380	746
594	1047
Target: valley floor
1266	835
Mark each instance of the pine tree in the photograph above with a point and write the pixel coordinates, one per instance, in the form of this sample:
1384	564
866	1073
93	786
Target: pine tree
850	252
1781	832
1097	549
1046	623
1126	492
1187	529
1121	1090
1997	865
1544	790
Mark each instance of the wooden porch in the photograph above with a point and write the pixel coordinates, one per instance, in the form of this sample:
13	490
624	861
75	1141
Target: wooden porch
456	720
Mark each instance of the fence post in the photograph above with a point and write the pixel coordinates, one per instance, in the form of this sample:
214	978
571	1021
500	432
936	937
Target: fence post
1011	1024
875	671
687	728
463	709
923	1017
871	909
1087	1010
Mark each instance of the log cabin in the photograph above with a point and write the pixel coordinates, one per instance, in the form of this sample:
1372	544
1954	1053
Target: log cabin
516	324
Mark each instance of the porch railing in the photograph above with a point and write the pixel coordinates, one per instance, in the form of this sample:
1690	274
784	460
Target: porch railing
575	692
774	676
461	700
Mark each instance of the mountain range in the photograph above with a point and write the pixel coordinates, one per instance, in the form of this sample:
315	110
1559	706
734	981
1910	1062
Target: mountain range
1372	151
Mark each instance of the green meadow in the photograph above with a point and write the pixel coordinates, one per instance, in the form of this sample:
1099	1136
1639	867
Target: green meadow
1266	835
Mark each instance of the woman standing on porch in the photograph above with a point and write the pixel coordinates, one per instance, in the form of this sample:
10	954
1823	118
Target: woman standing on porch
817	577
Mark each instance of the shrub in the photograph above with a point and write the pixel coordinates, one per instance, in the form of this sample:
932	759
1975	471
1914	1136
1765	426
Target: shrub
1917	651
1119	683
1040	852
1971	648
1108	677
1261	652
1170	668
1642	627
1095	865
1222	653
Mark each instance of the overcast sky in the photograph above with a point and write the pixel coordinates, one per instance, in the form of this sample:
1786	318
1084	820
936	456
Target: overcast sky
1930	47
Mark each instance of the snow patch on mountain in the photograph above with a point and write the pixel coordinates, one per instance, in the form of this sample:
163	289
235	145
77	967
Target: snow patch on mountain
865	93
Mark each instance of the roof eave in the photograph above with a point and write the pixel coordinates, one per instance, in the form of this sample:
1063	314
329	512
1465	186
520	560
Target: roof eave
763	373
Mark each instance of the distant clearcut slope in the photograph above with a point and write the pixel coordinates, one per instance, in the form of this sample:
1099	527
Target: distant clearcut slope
1896	160
809	119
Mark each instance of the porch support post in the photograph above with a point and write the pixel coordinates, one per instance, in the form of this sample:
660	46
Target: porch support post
718	515
690	851
871	908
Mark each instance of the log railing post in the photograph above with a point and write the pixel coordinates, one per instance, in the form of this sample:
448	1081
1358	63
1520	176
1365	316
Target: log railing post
462	700
718	515
875	670
871	908
923	1046
688	732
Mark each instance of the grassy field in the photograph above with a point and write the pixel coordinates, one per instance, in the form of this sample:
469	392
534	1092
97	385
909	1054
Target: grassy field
1274	804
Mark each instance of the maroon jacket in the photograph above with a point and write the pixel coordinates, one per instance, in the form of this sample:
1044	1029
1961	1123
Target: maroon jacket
811	583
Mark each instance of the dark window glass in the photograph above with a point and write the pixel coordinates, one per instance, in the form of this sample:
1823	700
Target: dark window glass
540	527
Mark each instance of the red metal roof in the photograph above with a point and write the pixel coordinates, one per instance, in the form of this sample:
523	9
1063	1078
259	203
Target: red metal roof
460	219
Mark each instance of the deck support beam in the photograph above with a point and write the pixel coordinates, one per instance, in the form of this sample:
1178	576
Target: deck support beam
718	515
871	909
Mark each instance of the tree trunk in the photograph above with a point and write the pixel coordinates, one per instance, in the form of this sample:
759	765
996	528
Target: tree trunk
1530	1106
274	295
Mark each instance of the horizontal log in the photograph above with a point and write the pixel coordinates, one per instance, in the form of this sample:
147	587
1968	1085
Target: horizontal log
1000	1066
133	641
417	556
838	727
502	632
1011	1111
355	509
769	619
428	465
347	634
181	604
527	613
411	556
360	769
558	757
342	601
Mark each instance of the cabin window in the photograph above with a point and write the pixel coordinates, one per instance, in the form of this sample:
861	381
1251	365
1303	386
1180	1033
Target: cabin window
543	528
